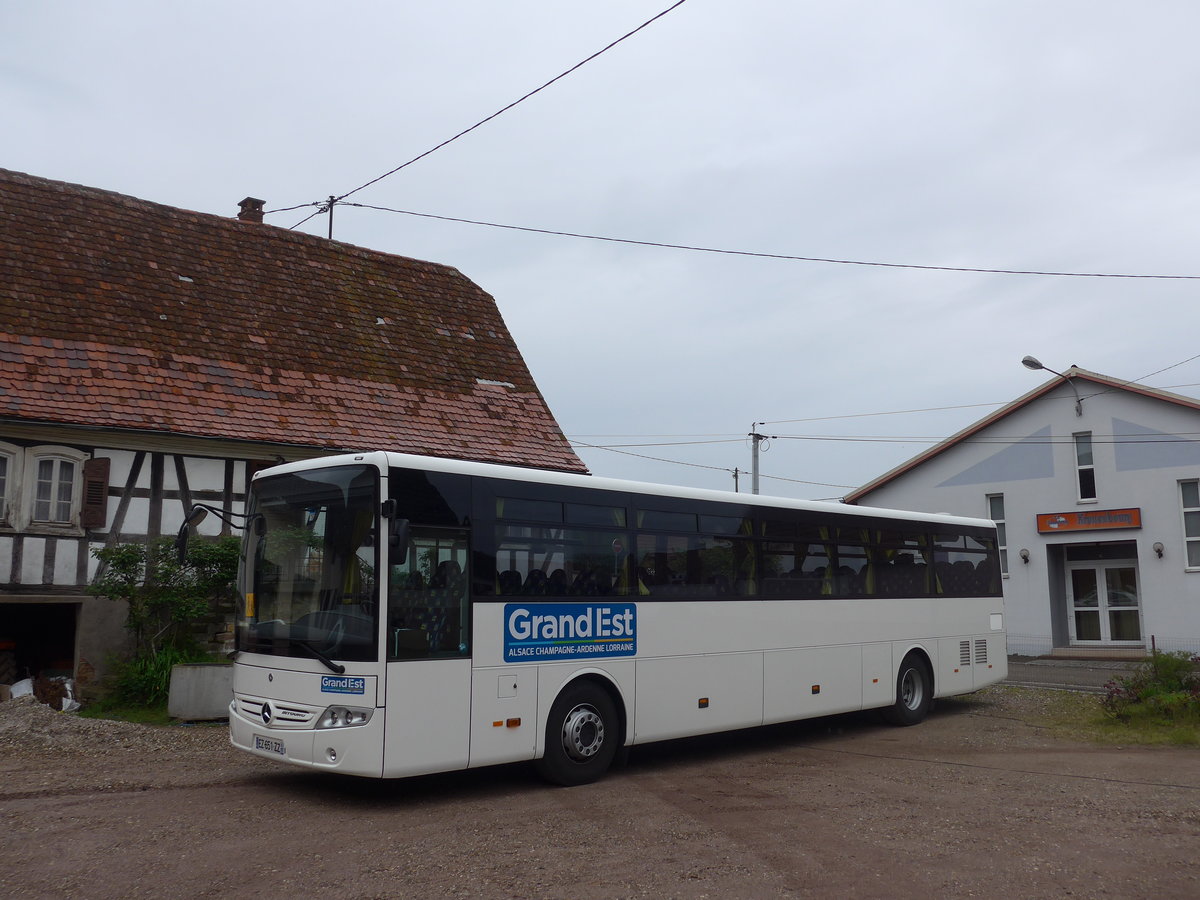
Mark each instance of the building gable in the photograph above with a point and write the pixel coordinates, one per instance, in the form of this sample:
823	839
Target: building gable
1030	457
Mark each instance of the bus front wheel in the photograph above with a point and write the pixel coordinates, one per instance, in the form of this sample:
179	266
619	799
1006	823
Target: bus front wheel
581	736
914	693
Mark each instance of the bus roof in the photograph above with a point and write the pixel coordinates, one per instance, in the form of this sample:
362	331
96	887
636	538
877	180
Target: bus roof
387	459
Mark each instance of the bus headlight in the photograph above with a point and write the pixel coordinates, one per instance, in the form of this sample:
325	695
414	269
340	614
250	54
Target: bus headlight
344	717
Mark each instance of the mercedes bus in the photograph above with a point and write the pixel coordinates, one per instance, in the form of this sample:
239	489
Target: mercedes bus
402	615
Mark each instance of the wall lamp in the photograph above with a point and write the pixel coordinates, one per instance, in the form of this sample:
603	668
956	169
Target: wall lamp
1024	554
1158	548
1032	362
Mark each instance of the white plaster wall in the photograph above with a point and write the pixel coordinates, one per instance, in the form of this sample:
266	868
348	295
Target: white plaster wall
143	479
137	517
66	563
202	474
119	465
1144	472
93	565
173	514
33	558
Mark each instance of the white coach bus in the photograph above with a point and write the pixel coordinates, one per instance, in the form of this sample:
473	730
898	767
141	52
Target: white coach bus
403	615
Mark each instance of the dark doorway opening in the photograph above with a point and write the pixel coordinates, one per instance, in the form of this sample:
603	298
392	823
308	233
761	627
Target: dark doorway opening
37	639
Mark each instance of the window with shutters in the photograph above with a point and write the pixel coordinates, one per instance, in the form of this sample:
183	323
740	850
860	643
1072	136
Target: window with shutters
54	495
93	511
53	488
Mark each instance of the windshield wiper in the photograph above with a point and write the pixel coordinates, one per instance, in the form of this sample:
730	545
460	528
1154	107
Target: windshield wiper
308	648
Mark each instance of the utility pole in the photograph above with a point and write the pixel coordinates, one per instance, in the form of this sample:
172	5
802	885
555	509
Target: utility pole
736	473
760	442
332	203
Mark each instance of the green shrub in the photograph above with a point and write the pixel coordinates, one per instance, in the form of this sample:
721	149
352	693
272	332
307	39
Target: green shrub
145	679
1163	690
165	597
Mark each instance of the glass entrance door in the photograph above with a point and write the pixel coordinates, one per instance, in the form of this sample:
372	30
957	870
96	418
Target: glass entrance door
1102	599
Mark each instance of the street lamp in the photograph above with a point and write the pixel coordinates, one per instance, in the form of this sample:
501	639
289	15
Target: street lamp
1032	362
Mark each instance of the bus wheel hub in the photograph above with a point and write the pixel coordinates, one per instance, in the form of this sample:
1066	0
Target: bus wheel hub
583	733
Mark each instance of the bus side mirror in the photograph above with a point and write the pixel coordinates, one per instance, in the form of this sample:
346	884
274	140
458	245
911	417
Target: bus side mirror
195	516
398	541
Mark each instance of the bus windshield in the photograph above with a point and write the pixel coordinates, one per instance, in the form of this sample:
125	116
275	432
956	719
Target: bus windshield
308	583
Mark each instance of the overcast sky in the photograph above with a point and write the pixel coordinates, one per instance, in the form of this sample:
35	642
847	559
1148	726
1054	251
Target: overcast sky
1059	136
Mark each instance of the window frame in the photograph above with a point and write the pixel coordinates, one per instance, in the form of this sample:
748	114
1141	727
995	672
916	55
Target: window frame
10	491
1189	541
34	456
1001	529
1081	467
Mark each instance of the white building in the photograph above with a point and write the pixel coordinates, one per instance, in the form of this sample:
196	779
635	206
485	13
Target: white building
1095	485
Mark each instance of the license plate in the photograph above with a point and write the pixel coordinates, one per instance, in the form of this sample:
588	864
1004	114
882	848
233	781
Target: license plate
271	745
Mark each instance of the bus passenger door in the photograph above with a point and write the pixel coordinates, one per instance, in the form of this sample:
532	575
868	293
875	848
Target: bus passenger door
428	724
428	699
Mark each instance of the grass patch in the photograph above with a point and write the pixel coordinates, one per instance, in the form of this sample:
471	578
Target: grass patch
137	689
1081	717
124	712
1159	702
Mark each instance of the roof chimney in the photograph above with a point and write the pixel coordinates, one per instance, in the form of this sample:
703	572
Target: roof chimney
251	210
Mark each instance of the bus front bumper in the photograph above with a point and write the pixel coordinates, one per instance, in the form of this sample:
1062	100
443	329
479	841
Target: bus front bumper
349	750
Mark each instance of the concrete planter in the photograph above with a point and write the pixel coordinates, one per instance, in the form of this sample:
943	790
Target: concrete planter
200	691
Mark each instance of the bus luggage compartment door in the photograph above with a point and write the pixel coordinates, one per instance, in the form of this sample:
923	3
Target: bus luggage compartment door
504	714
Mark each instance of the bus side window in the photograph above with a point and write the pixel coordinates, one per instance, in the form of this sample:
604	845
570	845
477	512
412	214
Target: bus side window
428	601
556	562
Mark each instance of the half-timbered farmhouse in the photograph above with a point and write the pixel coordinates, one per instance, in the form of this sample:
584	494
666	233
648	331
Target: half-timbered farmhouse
151	357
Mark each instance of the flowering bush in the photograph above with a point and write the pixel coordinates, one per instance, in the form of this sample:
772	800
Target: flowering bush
1164	689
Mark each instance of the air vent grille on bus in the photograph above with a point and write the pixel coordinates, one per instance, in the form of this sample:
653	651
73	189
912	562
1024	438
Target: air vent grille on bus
964	653
981	651
280	715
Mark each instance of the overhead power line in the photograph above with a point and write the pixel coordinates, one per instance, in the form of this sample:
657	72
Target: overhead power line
1008	441
516	102
763	255
677	462
891	412
901	412
798	481
1164	369
653	458
1182	436
668	443
894	412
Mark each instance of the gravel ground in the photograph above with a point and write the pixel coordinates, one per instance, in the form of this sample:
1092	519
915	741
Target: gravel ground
981	800
46	751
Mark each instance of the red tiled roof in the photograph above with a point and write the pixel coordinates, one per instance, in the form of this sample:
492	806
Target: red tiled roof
119	313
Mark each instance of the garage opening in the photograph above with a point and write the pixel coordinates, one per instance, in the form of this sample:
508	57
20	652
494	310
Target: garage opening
37	639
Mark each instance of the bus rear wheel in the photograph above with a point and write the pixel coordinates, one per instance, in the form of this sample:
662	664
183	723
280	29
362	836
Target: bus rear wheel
581	736
914	693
